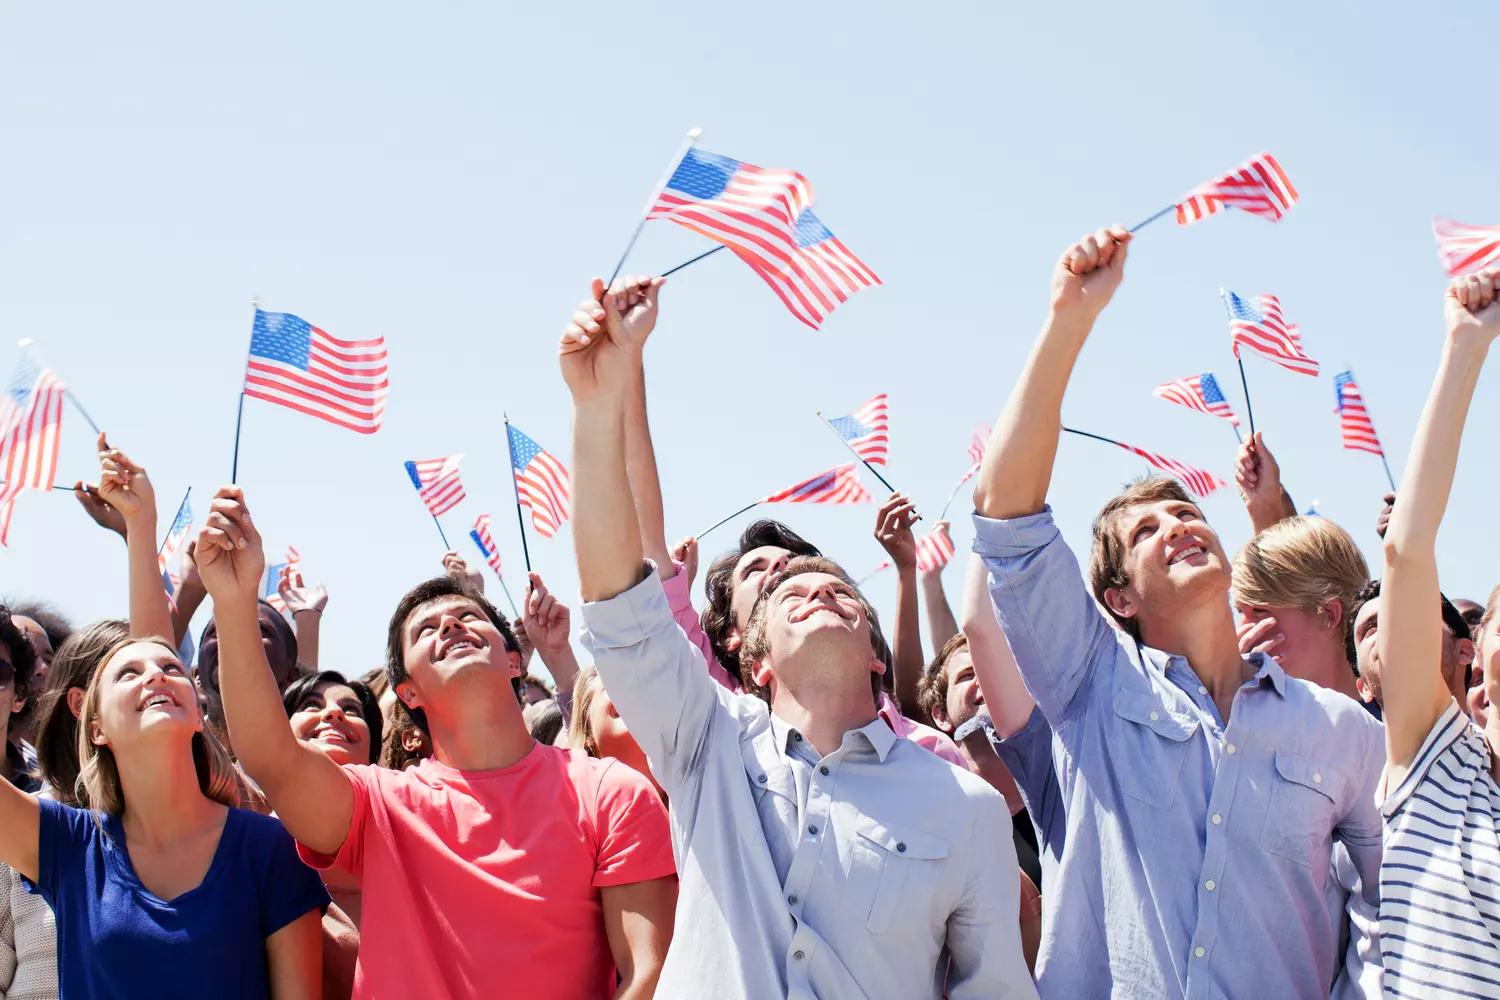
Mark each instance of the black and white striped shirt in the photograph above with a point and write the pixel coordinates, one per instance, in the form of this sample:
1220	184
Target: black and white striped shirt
1440	875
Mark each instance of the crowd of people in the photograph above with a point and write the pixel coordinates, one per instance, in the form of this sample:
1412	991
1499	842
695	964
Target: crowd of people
1171	774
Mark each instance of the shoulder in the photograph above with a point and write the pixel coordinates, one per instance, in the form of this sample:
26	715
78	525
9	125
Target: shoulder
924	769
1339	710
605	777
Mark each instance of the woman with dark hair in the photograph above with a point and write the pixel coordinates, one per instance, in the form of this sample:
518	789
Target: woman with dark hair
61	702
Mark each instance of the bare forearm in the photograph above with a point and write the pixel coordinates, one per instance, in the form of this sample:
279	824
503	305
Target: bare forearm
1005	693
645	483
606	534
309	624
1017	467
252	705
941	625
562	664
906	643
149	612
189	599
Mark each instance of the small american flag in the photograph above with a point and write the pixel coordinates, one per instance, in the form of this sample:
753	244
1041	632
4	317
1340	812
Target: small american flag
838	485
177	536
1201	393
977	443
437	483
765	217
291	569
934	549
1465	249
295	364
481	535
1258	186
868	430
1259	325
541	483
18	391
28	445
1198	482
1354	418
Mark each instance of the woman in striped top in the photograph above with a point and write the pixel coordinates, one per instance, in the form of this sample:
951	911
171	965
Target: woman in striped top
1439	905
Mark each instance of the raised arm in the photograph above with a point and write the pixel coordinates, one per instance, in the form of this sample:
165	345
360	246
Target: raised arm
190	594
1005	694
125	487
893	532
640	454
941	625
308	791
1409	640
1258	477
1017	466
306	605
549	623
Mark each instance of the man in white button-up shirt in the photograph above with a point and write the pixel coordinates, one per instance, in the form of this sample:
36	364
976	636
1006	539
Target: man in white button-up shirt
820	856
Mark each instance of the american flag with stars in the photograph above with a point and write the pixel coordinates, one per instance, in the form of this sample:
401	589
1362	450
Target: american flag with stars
481	535
934	549
838	485
1199	392
541	483
1198	482
437	483
1465	249
1354	418
868	430
30	433
176	540
1258	186
765	217
291	568
1259	325
296	365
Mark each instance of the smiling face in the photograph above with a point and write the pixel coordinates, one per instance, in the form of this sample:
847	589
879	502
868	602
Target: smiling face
143	692
964	699
37	636
273	642
445	641
812	632
751	572
1455	656
1170	561
329	719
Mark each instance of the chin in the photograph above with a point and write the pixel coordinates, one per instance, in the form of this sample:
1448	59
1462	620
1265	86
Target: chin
336	752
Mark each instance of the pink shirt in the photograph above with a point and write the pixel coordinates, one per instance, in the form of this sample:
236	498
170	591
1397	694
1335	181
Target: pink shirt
485	883
923	736
681	602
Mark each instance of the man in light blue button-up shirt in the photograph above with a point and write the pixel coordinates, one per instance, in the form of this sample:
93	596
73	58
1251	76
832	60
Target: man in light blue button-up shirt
1204	789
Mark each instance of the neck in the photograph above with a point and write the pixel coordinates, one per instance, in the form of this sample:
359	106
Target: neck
478	728
162	797
1331	671
821	716
1205	637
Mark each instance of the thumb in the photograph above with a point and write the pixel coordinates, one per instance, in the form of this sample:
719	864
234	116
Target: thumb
596	290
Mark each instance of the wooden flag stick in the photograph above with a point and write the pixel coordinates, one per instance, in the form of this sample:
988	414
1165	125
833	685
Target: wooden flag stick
687	144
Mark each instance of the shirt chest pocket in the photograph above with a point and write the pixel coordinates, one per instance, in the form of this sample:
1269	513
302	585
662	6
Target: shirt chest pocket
1148	757
888	870
1299	818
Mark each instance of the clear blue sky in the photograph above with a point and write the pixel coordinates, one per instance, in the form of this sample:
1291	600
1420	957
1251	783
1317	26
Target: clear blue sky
450	176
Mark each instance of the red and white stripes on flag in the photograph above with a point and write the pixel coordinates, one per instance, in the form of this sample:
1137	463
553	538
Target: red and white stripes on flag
485	543
1259	325
294	364
1258	186
868	430
541	482
837	485
28	447
1198	392
934	549
437	482
1198	482
1465	249
1354	417
977	443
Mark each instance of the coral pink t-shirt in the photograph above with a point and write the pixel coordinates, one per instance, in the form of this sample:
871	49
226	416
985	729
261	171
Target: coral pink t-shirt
486	883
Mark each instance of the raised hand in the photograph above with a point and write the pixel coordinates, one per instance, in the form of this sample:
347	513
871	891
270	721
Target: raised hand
1089	271
600	345
1258	478
686	552
636	299
94	506
893	531
297	596
458	570
1383	521
547	620
188	568
230	555
124	485
1263	636
1470	306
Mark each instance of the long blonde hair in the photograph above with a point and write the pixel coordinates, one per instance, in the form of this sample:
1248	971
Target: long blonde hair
580	731
99	786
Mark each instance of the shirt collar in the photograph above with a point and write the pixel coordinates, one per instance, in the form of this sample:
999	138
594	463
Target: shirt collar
877	733
1265	666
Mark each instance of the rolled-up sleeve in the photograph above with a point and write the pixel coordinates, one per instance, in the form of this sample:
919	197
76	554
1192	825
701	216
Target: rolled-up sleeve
1050	620
654	675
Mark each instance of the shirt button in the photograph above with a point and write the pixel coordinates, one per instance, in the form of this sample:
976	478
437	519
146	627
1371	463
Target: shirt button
1198	952
901	847
797	737
1317	778
1202	690
1231	748
1218	819
1210	885
1155	716
813	830
792	899
823	770
761	779
798	955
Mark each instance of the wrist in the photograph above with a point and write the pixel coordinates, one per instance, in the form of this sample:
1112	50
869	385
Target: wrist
306	611
602	404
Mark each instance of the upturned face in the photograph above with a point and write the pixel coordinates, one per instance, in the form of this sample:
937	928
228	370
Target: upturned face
330	719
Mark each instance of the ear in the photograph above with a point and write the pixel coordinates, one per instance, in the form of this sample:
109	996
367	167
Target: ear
17	705
75	701
732	641
514	659
760	672
1465	648
96	735
1116	601
1363	687
1333	614
940	718
407	692
411	740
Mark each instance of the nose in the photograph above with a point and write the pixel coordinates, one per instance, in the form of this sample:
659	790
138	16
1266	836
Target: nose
1173	527
779	564
333	713
450	623
824	592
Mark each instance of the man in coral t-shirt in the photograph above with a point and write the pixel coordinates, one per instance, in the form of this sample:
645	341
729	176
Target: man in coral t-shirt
498	865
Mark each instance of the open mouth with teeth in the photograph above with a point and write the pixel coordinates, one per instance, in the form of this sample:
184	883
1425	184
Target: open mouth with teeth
459	644
333	734
158	699
807	611
1188	551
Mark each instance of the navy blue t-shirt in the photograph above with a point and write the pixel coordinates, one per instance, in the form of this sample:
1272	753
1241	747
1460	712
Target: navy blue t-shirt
116	940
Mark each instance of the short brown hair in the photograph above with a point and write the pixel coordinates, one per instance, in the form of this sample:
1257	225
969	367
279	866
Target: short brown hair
1107	557
756	645
932	689
1300	562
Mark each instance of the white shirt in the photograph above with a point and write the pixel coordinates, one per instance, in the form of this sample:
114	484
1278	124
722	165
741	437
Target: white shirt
859	874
